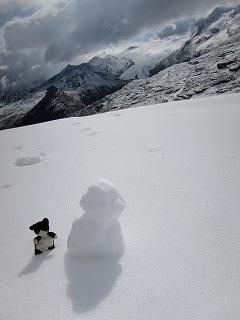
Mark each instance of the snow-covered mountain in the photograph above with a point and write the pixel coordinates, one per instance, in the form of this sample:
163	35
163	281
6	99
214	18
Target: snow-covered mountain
147	55
87	82
213	67
221	27
93	80
213	73
205	63
177	167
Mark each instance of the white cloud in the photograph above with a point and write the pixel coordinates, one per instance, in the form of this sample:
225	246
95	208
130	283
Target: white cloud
4	82
4	67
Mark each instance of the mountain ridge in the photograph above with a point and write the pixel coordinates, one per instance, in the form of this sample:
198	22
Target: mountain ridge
51	107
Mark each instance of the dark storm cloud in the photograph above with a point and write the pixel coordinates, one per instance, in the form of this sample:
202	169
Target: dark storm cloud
13	13
103	22
59	31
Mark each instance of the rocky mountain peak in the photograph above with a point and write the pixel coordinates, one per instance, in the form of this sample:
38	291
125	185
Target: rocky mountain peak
203	24
220	27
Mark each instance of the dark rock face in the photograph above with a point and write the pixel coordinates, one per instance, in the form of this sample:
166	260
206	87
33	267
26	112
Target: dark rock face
56	104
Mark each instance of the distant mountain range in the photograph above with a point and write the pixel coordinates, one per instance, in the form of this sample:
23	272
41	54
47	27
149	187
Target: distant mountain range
206	63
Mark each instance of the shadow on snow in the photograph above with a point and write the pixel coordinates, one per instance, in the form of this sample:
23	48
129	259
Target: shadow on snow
90	280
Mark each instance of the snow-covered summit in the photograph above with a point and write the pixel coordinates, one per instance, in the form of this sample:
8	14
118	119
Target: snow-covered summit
111	65
92	80
219	28
88	82
147	55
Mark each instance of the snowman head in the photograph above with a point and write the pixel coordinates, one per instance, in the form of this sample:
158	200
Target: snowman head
102	202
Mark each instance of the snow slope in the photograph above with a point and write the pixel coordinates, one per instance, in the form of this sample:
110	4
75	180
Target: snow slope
147	55
177	166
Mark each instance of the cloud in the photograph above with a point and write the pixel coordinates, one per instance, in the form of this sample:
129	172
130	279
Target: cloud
6	5
23	42
177	28
4	82
51	33
24	68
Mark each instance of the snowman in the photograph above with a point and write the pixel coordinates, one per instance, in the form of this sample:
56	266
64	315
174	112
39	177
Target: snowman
98	232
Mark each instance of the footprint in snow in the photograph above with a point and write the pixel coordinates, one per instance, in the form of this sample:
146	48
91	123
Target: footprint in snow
27	161
5	186
117	115
76	123
86	129
18	147
154	150
94	133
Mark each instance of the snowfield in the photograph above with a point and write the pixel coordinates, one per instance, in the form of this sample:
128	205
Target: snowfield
177	167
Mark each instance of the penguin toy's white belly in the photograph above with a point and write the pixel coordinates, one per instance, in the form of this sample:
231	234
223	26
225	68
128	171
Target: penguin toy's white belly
44	243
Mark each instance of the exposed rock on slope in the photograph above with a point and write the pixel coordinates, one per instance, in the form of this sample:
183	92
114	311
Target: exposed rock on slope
54	105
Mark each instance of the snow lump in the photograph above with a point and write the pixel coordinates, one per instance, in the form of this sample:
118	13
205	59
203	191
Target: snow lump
98	232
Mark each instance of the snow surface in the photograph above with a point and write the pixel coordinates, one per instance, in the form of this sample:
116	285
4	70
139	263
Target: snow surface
178	168
98	232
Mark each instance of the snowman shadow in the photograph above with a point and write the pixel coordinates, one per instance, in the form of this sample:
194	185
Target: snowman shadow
90	280
35	263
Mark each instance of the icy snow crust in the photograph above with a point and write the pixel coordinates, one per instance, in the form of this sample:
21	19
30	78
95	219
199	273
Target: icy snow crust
177	166
98	232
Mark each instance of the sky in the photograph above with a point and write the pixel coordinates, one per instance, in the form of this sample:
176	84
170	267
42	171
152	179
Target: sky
39	37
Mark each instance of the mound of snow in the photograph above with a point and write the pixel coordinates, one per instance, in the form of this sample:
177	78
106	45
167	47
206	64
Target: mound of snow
98	232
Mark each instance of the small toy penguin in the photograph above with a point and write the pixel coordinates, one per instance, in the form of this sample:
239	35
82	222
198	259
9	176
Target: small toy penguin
44	239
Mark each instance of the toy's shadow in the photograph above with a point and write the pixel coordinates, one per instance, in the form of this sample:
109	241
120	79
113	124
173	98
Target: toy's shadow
35	263
90	280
